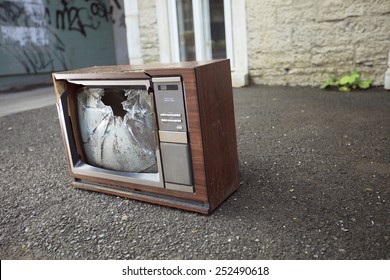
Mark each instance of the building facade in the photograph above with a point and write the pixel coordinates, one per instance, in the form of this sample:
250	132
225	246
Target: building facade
273	42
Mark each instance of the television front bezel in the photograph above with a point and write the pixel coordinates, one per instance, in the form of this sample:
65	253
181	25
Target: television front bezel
80	168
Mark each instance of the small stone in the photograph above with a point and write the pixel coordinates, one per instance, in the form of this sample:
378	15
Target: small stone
342	250
124	218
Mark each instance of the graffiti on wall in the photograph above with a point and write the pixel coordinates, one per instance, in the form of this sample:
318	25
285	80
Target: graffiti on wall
29	29
26	36
80	19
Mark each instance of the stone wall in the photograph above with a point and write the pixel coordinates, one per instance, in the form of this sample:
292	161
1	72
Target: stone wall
148	31
302	42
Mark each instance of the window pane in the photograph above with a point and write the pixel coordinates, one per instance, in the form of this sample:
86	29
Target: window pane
185	22
217	26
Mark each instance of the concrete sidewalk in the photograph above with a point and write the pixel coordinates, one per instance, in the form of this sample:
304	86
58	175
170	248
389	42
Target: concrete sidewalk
315	184
29	99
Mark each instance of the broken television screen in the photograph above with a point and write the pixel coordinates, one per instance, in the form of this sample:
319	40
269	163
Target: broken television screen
117	128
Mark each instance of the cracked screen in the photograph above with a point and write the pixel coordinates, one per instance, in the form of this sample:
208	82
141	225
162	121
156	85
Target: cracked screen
117	128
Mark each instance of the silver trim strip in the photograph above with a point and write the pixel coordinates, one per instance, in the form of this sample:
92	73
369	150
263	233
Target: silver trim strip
173	137
181	188
111	82
166	79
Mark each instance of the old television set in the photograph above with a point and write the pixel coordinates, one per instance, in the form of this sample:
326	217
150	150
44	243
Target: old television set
160	133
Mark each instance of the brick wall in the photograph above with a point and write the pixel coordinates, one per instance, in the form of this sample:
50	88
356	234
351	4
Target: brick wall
301	42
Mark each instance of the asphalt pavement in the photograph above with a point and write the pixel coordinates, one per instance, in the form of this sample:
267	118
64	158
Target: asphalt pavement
314	184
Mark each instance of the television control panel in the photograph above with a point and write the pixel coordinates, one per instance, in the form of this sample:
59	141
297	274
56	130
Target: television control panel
172	122
170	104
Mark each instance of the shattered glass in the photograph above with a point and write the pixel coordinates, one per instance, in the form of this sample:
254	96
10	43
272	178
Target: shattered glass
113	142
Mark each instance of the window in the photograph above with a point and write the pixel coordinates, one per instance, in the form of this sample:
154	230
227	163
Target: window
200	30
204	30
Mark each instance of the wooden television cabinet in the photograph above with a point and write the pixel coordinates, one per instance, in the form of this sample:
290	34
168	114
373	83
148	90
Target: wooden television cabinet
211	134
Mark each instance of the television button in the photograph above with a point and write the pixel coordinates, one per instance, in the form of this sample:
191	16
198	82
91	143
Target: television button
174	115
170	121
